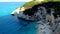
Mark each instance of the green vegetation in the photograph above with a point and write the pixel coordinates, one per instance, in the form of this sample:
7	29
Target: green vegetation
30	4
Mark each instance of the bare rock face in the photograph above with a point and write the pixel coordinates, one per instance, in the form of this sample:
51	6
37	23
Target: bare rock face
43	13
33	15
37	11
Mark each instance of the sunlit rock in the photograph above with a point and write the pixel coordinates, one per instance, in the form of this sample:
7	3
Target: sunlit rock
18	10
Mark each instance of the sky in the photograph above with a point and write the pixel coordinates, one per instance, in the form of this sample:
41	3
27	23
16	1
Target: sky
15	0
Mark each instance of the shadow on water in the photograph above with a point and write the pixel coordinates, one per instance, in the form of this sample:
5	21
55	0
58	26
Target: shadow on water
11	25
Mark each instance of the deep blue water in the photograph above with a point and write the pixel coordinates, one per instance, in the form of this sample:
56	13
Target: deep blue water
10	24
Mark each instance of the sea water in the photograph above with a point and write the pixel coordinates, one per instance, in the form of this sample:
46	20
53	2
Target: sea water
7	7
11	24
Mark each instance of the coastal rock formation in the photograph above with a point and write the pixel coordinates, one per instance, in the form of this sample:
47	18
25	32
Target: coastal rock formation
18	10
46	14
33	14
38	11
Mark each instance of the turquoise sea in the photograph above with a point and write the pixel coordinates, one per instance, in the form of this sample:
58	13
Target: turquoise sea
10	24
7	7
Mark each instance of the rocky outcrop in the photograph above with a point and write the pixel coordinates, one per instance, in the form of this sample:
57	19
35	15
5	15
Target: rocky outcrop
45	16
37	11
18	10
32	15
